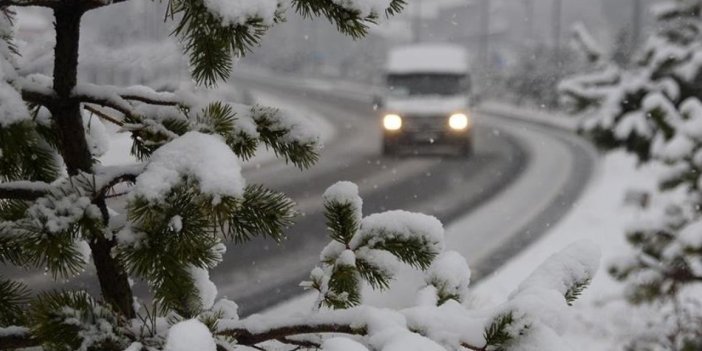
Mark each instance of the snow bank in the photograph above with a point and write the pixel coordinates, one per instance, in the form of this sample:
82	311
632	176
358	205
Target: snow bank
603	319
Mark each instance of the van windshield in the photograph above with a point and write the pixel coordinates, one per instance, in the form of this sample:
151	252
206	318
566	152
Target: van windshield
427	84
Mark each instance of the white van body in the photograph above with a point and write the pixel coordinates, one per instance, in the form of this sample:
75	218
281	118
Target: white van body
427	87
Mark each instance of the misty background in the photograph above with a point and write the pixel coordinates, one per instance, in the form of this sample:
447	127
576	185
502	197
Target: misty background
520	44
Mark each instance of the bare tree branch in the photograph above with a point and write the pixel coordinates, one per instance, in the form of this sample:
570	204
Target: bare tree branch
120	106
284	333
26	3
23	190
103	115
126	176
473	348
86	4
165	100
37	96
245	337
300	342
120	97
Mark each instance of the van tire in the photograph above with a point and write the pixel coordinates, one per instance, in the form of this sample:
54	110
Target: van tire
466	148
389	148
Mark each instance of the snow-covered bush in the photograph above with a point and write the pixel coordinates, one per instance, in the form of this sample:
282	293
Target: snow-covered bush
653	109
186	198
535	76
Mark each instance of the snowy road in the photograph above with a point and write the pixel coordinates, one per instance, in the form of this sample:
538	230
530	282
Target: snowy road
522	179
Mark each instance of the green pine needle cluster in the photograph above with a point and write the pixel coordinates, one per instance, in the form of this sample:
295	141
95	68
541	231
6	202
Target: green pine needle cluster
496	335
48	233
186	229
659	285
575	290
73	320
243	129
14	297
262	212
212	43
28	153
503	332
445	293
347	21
276	135
339	281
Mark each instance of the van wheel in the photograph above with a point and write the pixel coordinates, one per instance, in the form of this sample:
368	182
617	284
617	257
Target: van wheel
466	148
389	148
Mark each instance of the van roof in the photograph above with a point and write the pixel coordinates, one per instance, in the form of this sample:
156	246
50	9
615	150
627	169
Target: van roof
427	58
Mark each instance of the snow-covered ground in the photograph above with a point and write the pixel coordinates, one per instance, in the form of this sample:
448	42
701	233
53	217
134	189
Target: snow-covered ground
603	320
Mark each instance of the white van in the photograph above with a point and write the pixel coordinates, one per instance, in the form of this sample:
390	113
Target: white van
427	98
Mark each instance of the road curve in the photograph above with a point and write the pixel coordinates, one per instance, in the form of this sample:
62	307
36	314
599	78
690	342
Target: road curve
522	178
261	273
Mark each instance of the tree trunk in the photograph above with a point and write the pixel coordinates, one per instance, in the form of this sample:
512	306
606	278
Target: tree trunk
67	117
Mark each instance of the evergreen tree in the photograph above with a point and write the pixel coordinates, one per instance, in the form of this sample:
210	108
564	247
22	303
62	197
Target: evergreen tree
653	109
187	198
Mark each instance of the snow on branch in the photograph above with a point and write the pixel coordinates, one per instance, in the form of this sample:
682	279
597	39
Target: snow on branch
108	177
245	336
368	249
565	272
118	98
205	157
105	178
38	89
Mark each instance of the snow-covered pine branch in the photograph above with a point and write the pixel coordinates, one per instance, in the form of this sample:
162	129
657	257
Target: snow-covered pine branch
368	249
528	317
445	325
215	32
653	110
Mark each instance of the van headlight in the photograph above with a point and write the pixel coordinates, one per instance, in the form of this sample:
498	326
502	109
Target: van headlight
459	121
392	122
